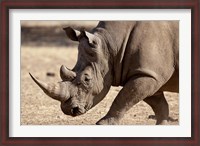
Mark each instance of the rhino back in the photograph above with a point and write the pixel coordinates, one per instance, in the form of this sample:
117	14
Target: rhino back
144	46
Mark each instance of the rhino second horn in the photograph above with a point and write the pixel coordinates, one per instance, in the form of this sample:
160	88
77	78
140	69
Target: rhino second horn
51	90
66	74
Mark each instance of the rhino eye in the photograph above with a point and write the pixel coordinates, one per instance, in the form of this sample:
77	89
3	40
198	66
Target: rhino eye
86	79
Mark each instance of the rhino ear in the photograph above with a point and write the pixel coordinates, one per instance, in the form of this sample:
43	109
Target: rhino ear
90	37
71	33
76	35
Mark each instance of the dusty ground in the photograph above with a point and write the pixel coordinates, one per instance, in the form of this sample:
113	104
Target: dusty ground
39	109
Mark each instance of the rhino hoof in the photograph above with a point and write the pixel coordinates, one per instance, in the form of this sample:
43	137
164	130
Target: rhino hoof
108	121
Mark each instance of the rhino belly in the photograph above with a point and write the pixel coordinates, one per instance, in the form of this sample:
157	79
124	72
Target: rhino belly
172	85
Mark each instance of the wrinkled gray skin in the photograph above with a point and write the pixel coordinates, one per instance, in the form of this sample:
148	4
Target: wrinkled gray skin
141	56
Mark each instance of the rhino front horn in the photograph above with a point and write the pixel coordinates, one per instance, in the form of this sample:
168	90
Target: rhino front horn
55	91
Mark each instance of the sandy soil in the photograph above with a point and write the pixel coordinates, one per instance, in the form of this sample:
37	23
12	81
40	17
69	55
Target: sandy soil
44	49
39	109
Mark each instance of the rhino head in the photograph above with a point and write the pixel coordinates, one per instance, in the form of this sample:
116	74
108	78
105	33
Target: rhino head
88	82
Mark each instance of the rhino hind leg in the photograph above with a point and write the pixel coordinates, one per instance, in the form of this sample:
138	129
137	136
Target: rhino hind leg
160	107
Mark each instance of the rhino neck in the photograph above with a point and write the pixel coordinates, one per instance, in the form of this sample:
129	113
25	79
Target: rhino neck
115	40
107	45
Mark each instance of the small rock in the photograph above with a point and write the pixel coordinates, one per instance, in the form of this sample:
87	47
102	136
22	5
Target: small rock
50	74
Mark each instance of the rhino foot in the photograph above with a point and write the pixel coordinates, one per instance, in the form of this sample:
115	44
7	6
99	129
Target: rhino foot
163	122
108	121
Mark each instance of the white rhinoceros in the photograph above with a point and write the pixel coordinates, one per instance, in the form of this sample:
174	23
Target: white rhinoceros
141	56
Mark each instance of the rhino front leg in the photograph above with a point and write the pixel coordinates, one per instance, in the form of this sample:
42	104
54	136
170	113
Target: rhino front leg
160	107
134	91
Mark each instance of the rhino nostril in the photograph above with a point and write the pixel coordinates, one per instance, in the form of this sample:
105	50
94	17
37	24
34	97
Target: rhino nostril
75	110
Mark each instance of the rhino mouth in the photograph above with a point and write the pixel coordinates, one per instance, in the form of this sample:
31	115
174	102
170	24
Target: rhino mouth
73	107
76	111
